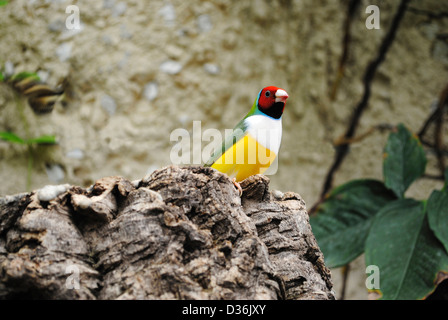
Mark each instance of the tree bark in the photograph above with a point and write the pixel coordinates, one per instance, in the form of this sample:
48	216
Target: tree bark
179	233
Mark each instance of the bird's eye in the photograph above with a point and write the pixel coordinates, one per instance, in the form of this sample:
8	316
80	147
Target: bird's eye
267	93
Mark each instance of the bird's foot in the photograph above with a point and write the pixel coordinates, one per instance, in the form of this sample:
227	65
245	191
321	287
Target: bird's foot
237	185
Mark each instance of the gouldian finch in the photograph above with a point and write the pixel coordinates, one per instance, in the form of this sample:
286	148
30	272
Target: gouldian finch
255	140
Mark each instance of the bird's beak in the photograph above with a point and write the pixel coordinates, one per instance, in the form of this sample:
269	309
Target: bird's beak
281	96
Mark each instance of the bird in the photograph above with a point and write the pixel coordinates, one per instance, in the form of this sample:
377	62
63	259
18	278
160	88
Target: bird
255	141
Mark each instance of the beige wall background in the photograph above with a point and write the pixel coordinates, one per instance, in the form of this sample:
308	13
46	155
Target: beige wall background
140	69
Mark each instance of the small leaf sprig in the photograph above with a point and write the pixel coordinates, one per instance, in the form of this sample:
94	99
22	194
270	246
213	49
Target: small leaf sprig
406	239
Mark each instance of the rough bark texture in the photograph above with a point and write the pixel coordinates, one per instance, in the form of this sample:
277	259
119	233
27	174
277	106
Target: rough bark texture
179	233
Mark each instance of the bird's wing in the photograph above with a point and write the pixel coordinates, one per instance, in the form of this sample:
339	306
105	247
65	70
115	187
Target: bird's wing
238	133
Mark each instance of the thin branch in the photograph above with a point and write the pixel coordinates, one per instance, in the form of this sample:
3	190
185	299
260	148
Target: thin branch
428	13
345	272
436	117
433	177
438	135
352	6
342	151
431	145
432	117
343	140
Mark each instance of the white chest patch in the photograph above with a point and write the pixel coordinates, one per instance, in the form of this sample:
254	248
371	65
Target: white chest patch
266	130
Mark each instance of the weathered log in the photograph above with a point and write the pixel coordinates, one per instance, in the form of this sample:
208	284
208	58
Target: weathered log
179	233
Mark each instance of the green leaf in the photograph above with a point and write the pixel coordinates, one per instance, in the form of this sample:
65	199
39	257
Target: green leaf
408	256
404	160
42	140
2	77
446	179
343	220
3	2
11	137
437	208
24	75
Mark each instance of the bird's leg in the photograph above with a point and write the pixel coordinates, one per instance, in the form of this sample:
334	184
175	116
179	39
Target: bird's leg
237	185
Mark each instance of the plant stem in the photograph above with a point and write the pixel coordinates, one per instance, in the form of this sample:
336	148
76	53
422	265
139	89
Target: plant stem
30	155
29	170
345	271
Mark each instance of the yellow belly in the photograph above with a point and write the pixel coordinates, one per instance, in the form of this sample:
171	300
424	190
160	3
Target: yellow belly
244	159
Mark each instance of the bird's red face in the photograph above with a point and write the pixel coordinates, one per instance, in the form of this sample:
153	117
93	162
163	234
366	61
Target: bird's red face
271	101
